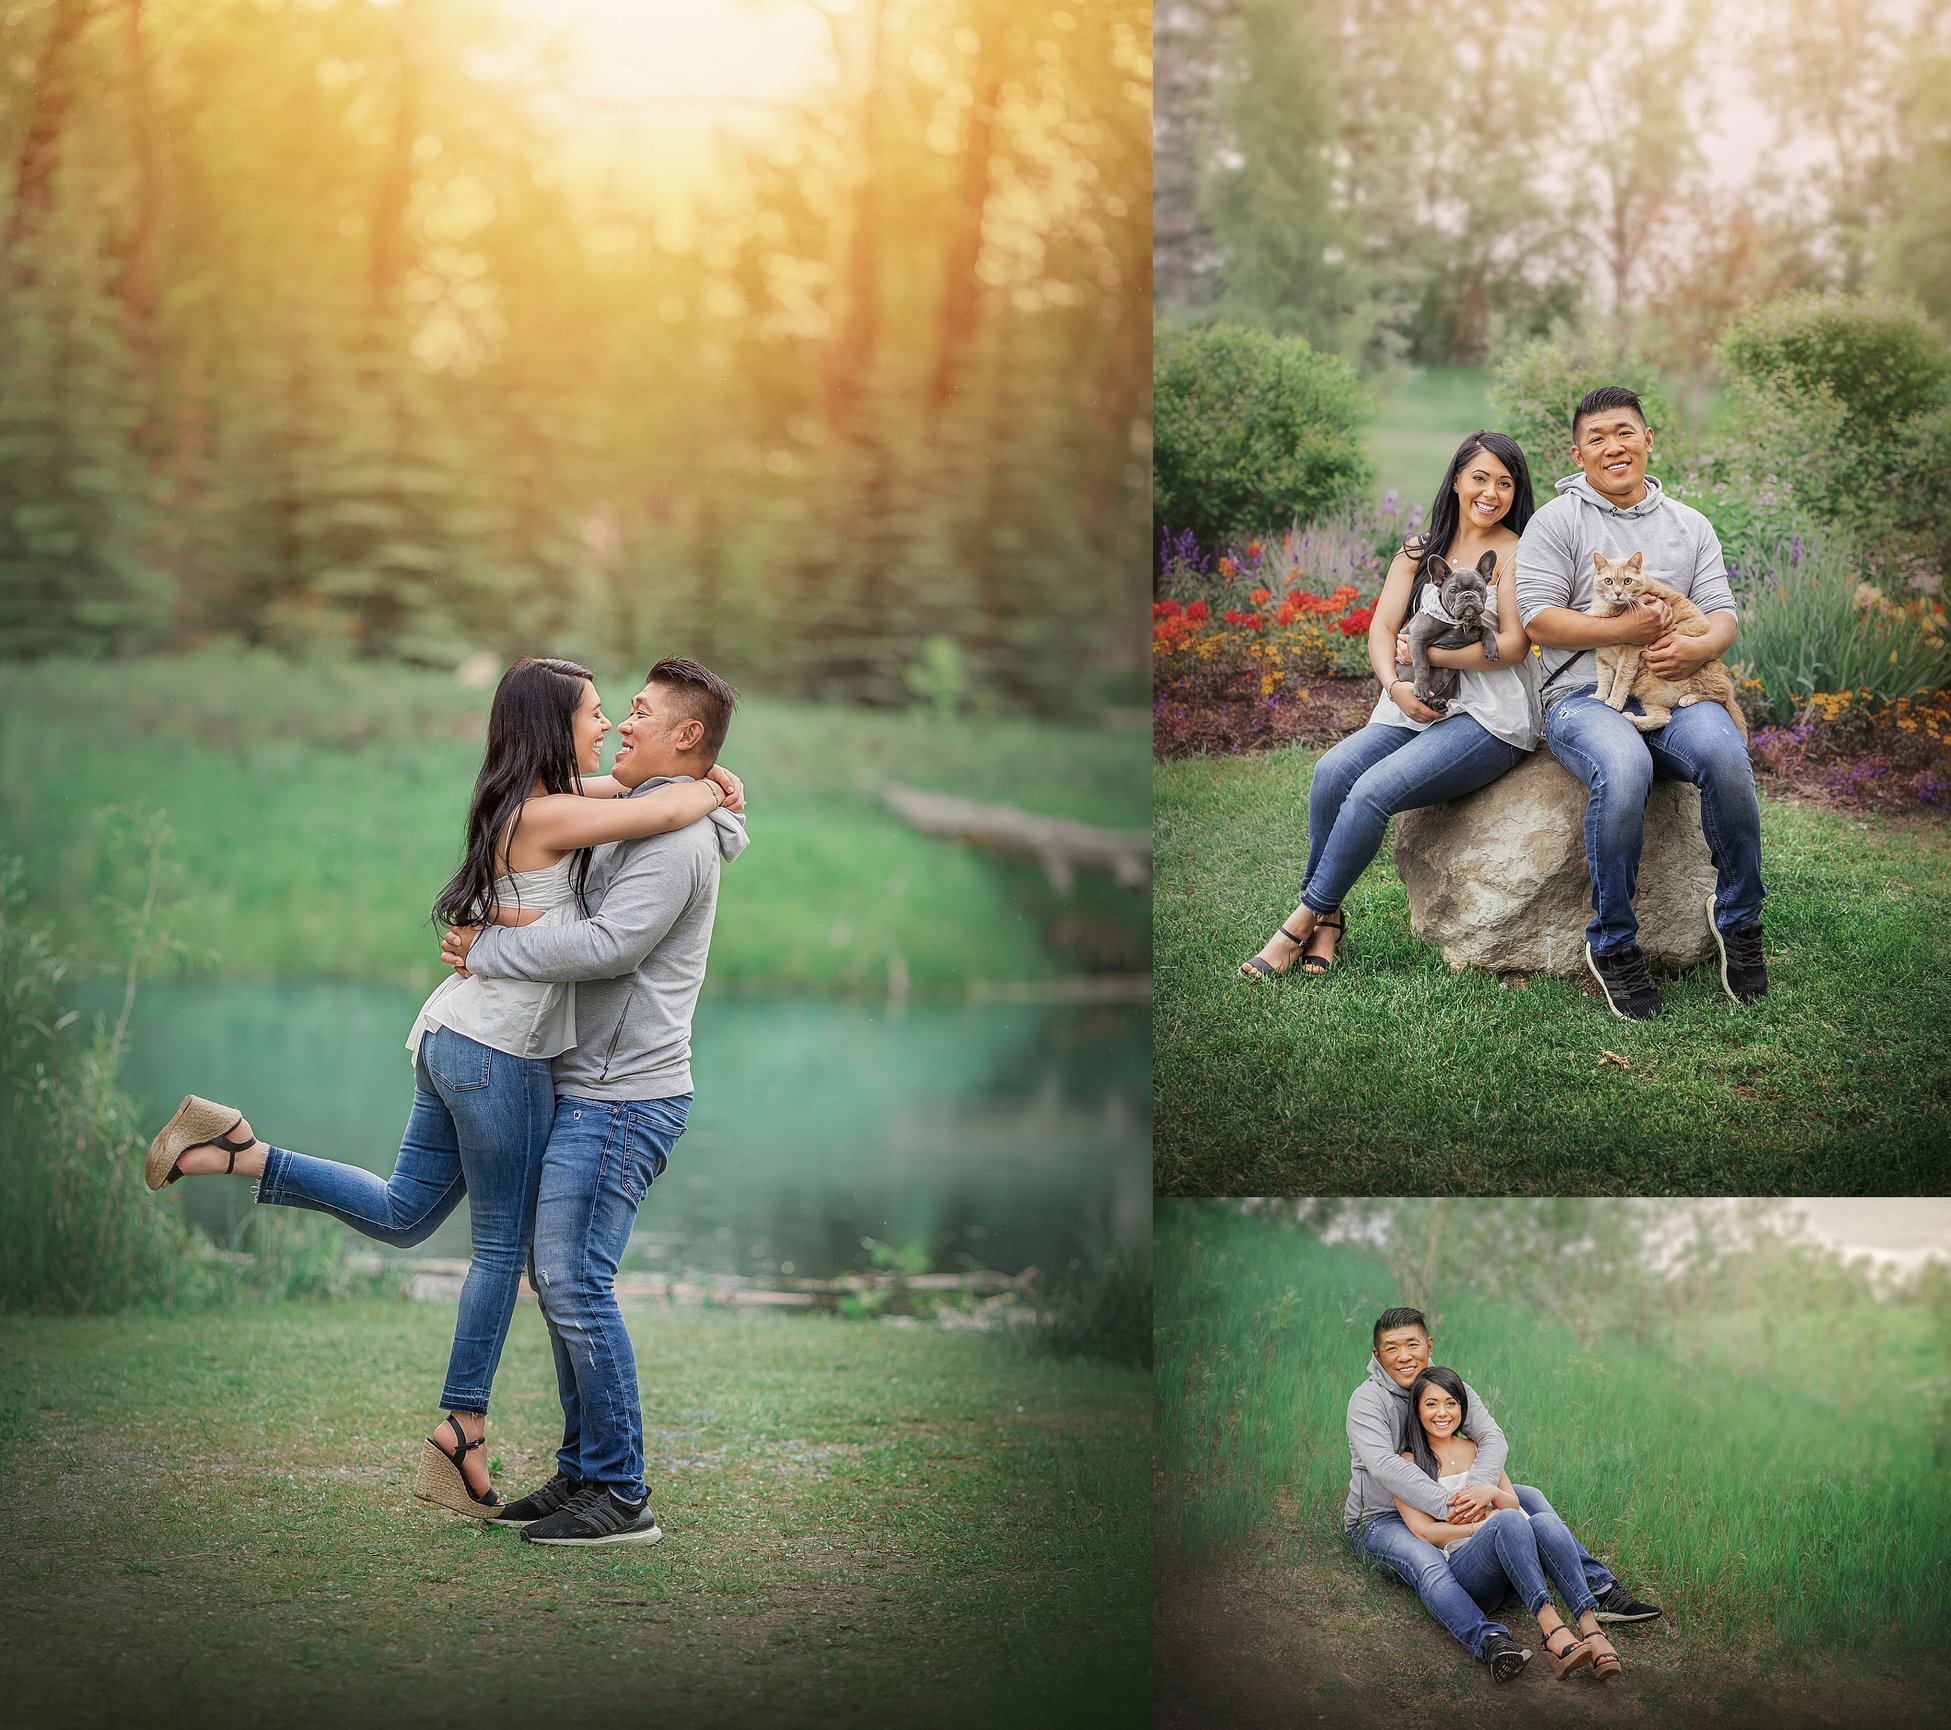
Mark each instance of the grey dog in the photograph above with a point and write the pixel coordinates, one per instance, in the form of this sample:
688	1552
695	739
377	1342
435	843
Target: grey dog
1465	593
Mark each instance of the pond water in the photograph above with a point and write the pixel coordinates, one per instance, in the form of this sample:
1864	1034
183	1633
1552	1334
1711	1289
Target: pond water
983	1135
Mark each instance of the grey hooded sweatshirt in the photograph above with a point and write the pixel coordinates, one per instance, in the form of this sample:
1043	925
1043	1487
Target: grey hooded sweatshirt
638	960
1554	563
1377	1412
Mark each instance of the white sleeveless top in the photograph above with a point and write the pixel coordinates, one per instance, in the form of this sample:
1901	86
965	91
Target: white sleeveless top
1454	1481
1501	699
522	1017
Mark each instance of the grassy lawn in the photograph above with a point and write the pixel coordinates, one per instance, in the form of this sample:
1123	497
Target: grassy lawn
1764	1473
317	809
207	1520
1420	424
1394	1076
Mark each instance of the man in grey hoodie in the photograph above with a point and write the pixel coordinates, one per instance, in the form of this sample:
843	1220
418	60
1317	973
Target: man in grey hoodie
622	1096
1613	506
1378	1419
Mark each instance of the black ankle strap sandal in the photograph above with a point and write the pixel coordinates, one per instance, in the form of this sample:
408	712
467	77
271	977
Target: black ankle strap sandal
1316	965
442	1481
1266	969
226	1141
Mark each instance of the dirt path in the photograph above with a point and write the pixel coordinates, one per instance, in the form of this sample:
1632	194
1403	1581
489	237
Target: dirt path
1271	1638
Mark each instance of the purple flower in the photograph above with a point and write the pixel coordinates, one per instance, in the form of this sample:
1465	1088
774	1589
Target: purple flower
1795	551
1389	503
1415	517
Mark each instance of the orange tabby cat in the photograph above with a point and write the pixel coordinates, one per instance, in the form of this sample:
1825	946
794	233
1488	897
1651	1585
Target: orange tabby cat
1623	673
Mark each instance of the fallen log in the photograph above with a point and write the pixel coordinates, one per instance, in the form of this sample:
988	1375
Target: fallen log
1061	845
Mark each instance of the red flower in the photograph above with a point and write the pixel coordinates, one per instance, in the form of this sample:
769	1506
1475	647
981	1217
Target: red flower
1290	610
1197	613
1357	621
1253	549
1165	609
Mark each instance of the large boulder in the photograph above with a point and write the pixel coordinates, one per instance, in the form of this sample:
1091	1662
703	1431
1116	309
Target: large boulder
1497	879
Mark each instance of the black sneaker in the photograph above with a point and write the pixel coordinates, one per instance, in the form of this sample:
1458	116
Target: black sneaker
1505	1657
1743	971
1619	1605
596	1517
558	1493
1622	976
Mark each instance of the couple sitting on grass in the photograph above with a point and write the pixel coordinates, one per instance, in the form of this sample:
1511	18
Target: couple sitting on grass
552	1069
1429	1499
1411	755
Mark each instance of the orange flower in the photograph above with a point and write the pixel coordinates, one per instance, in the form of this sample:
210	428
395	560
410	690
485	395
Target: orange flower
1259	597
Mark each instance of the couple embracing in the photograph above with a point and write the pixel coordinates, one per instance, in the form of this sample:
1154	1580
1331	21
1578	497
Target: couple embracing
1540	571
552	1070
1430	1500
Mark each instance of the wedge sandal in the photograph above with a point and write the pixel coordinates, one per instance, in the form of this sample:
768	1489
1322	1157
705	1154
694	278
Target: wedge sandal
1605	1665
1254	968
197	1123
441	1481
1316	965
1566	1659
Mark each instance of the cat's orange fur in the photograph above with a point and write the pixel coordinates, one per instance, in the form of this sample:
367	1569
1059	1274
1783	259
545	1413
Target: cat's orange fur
1623	673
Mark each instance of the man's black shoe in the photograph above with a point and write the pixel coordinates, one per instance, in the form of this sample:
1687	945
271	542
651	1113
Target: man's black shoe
558	1493
1505	1657
1743	971
1619	1605
596	1516
1622	976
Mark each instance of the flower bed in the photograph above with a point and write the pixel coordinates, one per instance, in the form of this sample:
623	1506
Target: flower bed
1854	750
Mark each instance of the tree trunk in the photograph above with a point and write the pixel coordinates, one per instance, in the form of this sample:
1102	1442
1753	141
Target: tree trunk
961	290
858	37
142	267
40	149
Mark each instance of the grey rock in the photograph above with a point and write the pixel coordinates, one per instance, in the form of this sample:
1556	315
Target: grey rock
1497	879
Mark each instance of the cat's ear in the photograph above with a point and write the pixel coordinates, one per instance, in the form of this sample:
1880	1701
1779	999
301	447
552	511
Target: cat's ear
1487	565
1598	563
1633	562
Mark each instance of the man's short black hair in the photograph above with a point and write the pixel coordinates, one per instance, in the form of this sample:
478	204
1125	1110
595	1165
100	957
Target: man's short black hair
1397	1318
1605	397
705	697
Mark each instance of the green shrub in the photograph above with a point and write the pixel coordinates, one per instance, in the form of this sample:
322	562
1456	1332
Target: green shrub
1252	432
1810	623
1538	389
1880	358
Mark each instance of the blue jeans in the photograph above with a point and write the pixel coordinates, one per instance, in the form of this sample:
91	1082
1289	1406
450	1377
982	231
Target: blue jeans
480	1122
602	1158
1515	1551
1385	1539
1361	783
1618	763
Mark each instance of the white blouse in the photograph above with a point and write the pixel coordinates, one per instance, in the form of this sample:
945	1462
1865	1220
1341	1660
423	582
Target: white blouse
523	1017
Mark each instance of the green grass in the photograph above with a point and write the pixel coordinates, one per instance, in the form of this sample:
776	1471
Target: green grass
1423	418
1793	1502
208	1521
1393	1075
317	808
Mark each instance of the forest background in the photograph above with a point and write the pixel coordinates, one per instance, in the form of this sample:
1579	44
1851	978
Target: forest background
1433	183
341	327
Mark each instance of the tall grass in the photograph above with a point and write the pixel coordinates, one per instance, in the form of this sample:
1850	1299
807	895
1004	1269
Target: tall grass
1792	1500
1808	624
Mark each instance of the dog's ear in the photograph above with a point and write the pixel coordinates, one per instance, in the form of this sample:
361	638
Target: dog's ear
1487	566
1436	567
1632	564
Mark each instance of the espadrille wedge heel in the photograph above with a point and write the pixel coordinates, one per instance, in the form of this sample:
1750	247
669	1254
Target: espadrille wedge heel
197	1123
442	1482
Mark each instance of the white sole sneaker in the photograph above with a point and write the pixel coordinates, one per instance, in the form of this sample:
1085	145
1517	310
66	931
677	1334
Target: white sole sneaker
631	1535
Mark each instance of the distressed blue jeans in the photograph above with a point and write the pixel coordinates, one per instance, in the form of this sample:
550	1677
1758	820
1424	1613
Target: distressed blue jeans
1362	782
1386	1539
603	1155
1619	765
479	1125
1516	1552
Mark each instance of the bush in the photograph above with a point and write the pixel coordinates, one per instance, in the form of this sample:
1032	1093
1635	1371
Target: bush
1252	432
1880	358
1810	625
1847	399
1539	388
1104	1310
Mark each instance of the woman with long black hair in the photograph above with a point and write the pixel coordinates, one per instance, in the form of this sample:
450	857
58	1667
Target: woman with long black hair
1511	1551
483	1099
1410	755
